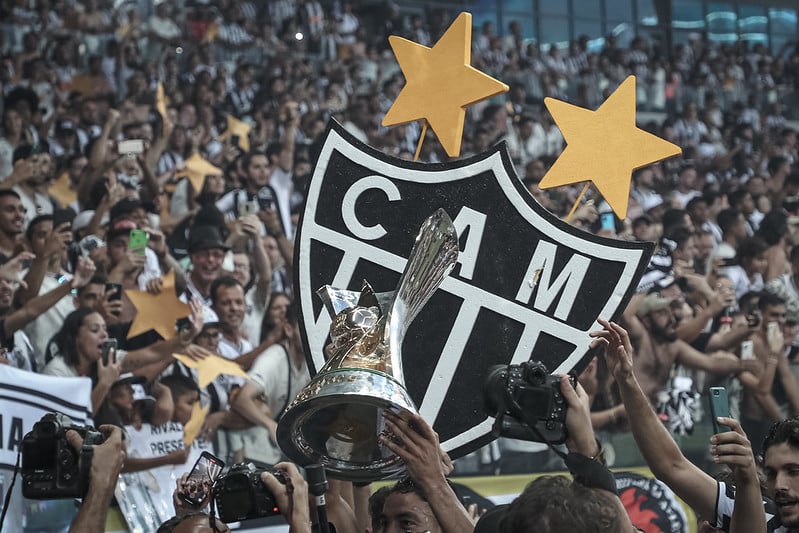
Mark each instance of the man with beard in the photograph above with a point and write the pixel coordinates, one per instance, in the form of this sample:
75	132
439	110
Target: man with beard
780	462
653	329
12	222
760	409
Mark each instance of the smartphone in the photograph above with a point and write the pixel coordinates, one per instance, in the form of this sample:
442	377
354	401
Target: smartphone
249	208
130	147
201	478
719	406
108	345
607	221
747	350
773	328
115	291
266	203
138	241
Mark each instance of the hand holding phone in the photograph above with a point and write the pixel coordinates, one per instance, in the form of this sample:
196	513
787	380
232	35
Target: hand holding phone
109	351
249	208
138	241
719	407
197	486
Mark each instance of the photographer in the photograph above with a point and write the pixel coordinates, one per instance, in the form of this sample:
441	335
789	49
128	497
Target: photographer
107	461
552	503
291	498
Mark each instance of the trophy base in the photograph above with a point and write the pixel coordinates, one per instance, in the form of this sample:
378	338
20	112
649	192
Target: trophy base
337	419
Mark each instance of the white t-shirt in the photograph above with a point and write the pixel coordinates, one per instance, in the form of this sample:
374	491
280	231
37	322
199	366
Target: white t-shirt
278	379
725	502
59	367
46	325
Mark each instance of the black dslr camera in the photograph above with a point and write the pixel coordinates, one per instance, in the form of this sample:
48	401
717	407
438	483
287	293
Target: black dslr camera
524	398
51	467
240	494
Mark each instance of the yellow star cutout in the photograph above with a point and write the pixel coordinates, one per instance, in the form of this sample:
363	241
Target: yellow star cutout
240	128
157	311
440	83
195	423
211	367
196	170
62	191
604	146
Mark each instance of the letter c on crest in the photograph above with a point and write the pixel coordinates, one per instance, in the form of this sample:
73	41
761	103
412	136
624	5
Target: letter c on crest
367	233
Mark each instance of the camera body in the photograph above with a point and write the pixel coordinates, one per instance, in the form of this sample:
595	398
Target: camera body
240	494
526	396
51	467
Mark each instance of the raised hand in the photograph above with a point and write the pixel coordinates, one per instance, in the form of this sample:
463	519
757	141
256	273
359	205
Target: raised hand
84	272
618	348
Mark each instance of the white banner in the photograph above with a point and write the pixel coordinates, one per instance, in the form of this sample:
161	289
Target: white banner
24	398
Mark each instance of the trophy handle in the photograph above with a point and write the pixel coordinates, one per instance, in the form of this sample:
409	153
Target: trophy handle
433	256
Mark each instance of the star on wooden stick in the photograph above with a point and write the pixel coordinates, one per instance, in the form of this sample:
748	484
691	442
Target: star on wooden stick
195	423
196	170
604	146
157	311
160	101
440	83
212	366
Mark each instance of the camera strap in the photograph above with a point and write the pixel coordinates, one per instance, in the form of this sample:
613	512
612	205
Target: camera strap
85	462
7	499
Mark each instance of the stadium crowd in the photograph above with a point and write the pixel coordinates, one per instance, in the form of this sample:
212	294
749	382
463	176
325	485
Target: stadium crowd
90	161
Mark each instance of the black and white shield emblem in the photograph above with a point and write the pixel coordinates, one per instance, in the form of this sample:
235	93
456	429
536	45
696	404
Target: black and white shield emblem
526	286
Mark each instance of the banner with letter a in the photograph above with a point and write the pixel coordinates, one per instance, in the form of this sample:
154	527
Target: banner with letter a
24	398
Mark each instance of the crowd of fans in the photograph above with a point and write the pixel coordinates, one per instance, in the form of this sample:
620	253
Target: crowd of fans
89	158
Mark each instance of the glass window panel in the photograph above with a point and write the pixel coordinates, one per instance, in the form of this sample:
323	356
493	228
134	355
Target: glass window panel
721	18
623	31
483	11
555	30
587	8
752	19
617	9
647	15
687	15
554	7
518	6
783	21
591	28
778	41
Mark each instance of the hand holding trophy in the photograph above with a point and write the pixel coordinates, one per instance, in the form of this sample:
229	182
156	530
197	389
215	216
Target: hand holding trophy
338	418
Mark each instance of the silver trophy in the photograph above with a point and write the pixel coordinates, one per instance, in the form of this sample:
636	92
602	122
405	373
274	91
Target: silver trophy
337	419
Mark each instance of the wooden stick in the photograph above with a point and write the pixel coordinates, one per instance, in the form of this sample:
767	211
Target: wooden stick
577	202
421	140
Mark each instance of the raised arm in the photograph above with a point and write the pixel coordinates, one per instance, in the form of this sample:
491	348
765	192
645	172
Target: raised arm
661	453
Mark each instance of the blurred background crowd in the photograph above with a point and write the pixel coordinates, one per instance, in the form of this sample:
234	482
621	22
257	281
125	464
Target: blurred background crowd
217	184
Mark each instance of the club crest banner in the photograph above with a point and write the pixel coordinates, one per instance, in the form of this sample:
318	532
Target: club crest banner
526	286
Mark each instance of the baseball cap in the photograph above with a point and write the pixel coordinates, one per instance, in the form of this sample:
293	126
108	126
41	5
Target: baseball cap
652	302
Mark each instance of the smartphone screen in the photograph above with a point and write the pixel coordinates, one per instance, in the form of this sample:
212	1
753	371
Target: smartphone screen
114	290
109	345
719	406
138	241
130	147
608	221
747	350
201	478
